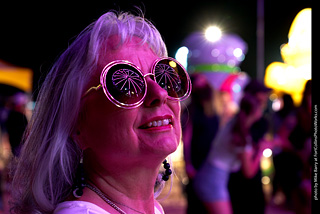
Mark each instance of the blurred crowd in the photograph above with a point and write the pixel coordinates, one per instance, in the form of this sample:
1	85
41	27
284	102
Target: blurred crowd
223	150
14	116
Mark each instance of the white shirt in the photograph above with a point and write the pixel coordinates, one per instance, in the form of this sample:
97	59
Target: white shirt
224	154
83	207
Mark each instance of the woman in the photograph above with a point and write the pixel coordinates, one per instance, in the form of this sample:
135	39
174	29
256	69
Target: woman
232	150
201	124
106	118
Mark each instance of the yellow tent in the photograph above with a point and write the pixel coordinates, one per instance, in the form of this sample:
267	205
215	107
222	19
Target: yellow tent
18	77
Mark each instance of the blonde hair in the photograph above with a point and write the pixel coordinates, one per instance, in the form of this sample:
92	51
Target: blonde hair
46	168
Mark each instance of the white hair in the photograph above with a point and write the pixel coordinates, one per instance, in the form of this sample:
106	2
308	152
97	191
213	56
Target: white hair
45	170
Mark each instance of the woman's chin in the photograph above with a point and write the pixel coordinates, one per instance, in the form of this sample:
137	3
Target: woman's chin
164	147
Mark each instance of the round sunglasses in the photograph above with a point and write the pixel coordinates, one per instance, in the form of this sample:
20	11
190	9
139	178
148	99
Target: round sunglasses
125	86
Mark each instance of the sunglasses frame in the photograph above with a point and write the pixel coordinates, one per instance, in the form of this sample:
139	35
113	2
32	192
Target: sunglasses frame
105	70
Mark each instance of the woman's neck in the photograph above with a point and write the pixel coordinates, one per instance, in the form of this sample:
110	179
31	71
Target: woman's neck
128	187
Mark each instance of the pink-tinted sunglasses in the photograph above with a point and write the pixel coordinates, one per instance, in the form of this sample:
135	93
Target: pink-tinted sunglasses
125	86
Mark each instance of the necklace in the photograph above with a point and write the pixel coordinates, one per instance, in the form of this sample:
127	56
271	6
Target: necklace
108	201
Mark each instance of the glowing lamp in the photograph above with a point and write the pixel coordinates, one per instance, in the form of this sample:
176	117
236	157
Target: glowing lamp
267	153
297	51
217	56
213	33
173	64
265	180
292	75
286	78
265	164
18	77
182	56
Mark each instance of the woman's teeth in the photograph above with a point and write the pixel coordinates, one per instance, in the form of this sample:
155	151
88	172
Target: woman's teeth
157	123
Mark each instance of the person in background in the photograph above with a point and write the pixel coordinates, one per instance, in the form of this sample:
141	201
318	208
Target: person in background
106	118
201	125
17	121
283	118
284	121
231	151
13	124
246	193
299	188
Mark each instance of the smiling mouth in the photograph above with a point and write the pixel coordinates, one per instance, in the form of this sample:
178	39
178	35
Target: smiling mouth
157	123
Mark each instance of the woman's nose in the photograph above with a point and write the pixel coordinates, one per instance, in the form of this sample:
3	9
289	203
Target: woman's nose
156	96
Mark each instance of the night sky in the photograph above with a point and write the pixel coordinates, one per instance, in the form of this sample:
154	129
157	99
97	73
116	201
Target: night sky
34	34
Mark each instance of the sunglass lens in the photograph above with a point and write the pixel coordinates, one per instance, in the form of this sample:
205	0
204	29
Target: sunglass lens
125	84
171	76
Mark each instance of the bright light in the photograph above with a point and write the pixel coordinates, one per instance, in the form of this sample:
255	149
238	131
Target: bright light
273	96
236	88
285	78
182	56
265	180
267	153
292	75
213	33
237	52
276	104
297	51
173	64
265	163
300	31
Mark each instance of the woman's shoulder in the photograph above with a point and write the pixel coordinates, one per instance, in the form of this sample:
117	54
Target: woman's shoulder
78	207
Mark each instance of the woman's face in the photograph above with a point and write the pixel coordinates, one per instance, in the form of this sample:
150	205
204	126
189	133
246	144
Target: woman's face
111	133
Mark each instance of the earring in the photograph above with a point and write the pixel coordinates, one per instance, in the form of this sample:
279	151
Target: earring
167	172
79	183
